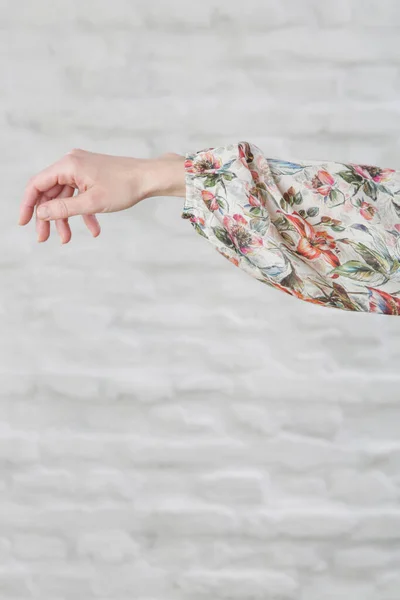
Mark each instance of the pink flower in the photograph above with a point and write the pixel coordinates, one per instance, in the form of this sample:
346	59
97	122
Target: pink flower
253	201
245	240
210	200
245	154
197	220
323	183
367	211
205	161
373	173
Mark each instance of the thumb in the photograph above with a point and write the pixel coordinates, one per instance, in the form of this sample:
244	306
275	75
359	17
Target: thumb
86	203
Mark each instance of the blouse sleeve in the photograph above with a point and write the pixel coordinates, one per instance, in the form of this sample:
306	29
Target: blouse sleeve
324	232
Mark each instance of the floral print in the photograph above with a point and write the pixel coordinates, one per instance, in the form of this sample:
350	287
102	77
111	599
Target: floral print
324	232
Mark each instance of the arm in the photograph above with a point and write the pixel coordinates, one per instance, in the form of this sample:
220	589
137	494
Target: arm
324	232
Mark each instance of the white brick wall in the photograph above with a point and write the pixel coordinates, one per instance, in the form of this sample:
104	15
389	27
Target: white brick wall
170	428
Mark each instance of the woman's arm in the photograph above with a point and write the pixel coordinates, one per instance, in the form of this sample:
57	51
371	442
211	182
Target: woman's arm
104	184
322	231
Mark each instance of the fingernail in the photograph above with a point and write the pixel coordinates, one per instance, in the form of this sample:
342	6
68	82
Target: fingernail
42	212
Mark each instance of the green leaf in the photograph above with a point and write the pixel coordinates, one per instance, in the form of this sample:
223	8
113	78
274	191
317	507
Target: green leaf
375	260
256	211
313	211
287	238
259	225
335	198
302	213
356	270
384	189
396	208
221	202
395	266
380	243
340	297
338	227
298	198
199	230
222	235
350	176
283	204
293	281
280	222
369	189
210	180
228	175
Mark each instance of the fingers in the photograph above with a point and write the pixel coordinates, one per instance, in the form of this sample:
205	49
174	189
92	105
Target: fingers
87	203
62	225
53	190
92	224
42	227
48	181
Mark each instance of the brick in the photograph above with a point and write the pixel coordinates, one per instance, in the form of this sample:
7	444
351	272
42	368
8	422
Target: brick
35	547
373	488
234	487
361	558
379	526
231	584
17	449
110	546
334	589
39	481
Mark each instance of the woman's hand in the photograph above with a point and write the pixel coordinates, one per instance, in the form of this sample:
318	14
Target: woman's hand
103	183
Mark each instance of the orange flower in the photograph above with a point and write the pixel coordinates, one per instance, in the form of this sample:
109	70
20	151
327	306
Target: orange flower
313	244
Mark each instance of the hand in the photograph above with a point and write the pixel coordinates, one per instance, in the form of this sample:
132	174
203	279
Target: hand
104	184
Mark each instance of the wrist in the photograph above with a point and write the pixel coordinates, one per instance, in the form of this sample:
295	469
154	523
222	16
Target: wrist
165	176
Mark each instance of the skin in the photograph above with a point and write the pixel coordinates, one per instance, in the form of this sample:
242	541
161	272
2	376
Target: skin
87	183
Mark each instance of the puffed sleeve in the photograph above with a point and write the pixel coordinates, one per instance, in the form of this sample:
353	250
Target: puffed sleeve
322	231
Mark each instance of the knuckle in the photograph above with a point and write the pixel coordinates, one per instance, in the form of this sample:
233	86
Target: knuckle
61	208
74	156
31	182
75	152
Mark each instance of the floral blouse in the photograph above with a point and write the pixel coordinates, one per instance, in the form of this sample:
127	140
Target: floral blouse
324	232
